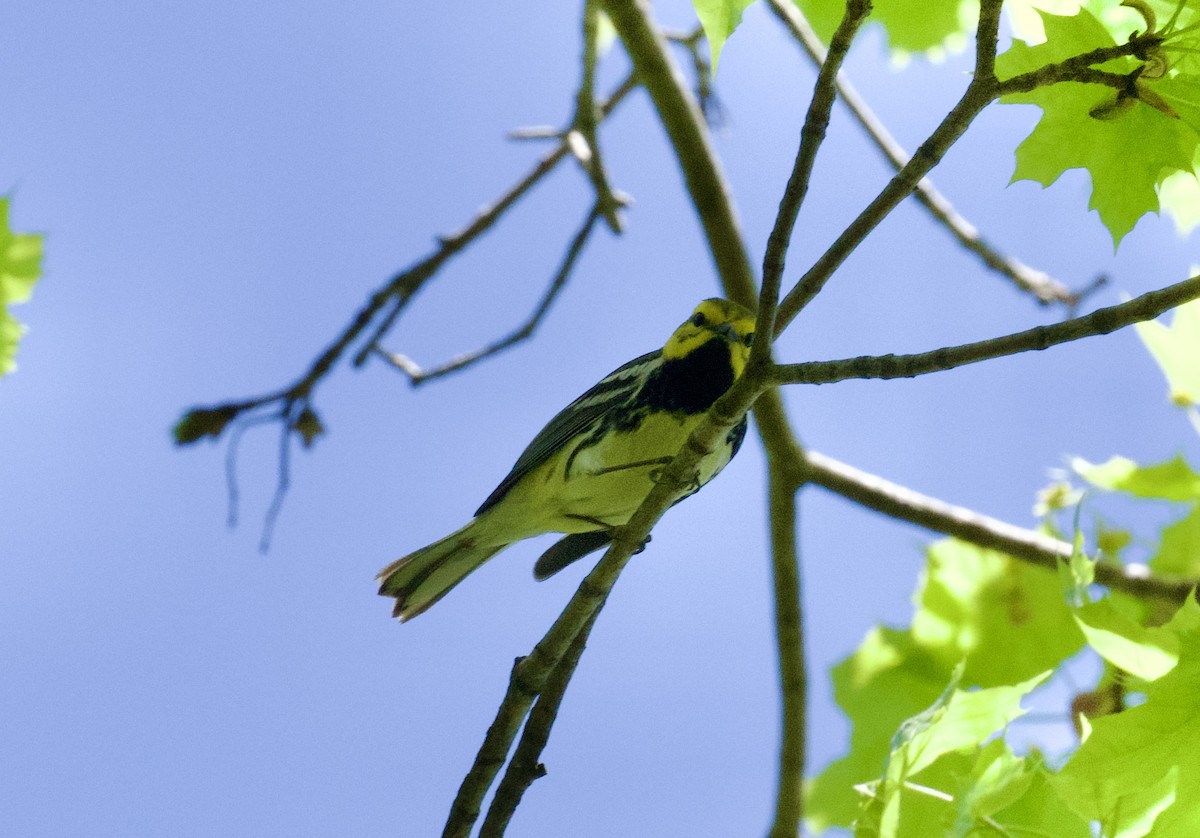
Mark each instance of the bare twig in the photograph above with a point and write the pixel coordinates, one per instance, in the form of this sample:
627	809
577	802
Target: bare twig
282	481
978	94
418	375
585	122
1044	287
1099	322
405	284
812	134
524	767
706	94
1030	546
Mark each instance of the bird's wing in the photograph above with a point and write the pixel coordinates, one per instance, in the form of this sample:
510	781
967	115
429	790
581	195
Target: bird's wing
614	390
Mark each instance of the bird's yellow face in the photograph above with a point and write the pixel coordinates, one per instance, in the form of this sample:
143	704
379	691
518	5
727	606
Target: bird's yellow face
715	319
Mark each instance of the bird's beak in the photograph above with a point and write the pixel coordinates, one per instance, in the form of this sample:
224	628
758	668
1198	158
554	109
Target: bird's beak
725	330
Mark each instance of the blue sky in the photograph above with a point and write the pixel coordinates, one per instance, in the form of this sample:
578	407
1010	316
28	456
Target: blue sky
222	185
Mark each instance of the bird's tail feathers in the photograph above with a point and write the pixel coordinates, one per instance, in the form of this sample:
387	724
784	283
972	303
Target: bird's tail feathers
421	578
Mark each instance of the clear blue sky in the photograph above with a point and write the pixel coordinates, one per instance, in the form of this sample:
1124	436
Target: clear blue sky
223	183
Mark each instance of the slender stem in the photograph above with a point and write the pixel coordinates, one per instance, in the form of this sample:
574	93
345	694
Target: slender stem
585	120
525	767
418	375
1030	546
812	134
1099	322
978	94
405	284
1044	287
789	635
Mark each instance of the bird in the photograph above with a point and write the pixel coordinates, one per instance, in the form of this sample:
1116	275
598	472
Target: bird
590	468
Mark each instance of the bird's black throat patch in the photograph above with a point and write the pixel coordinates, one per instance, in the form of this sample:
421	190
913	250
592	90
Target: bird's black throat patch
692	383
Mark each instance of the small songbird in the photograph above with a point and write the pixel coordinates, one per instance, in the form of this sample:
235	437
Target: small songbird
590	468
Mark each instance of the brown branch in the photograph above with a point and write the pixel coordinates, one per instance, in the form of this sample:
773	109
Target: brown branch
405	284
585	122
977	96
812	134
1078	68
1030	546
418	375
524	767
1044	287
789	637
1099	322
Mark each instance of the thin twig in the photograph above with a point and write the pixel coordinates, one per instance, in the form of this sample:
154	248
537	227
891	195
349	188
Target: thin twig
789	635
419	375
978	94
282	482
1030	546
585	121
1045	288
1079	67
1099	322
812	134
524	767
405	284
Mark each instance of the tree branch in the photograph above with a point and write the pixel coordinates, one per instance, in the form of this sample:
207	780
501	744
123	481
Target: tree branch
1029	546
524	767
977	96
789	636
1099	322
585	121
1079	67
812	134
418	375
1045	288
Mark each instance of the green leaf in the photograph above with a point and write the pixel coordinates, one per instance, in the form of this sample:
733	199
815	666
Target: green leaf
920	26
1179	553
719	18
1171	480
1007	619
888	679
20	269
1039	810
1179	195
1124	184
957	721
1176	348
1139	766
1148	653
998	779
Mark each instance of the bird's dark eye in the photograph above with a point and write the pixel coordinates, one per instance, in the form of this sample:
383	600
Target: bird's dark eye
748	339
698	319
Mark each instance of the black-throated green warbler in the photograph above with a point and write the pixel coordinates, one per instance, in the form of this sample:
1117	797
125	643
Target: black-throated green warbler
590	468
